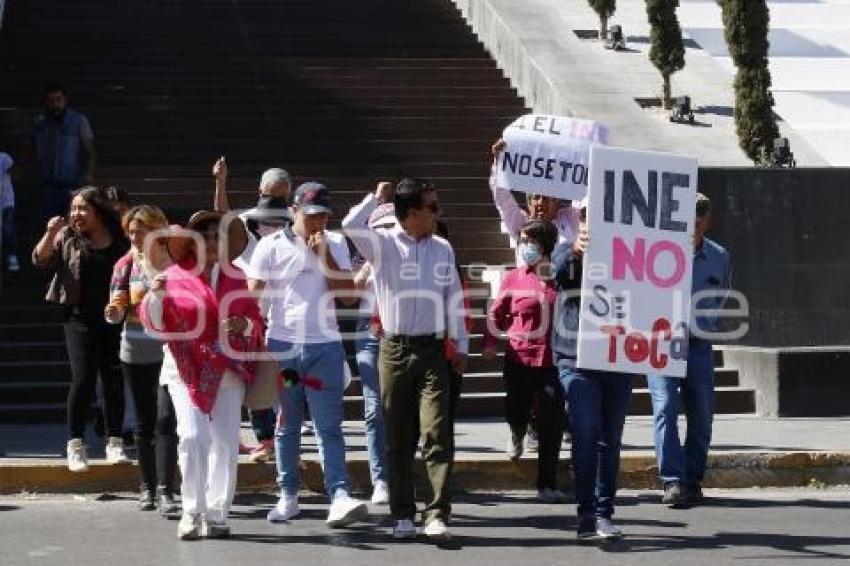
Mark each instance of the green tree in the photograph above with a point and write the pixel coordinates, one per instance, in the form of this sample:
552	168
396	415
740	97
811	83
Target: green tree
604	9
746	23
667	51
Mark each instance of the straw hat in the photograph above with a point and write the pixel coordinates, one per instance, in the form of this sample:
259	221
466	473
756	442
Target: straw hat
182	243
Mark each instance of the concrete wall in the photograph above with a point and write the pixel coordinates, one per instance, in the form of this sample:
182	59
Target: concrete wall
794	382
788	234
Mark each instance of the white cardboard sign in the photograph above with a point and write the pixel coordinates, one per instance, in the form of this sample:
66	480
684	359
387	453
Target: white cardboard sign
548	155
636	280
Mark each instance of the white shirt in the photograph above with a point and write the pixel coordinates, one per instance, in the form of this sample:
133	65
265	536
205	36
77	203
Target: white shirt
302	310
416	281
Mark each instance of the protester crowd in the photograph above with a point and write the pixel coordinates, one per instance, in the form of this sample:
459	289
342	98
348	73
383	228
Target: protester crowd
189	317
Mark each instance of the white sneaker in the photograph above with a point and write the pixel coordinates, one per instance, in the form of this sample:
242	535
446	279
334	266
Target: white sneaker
531	442
514	447
115	450
437	530
189	527
345	510
12	264
286	508
404	528
549	495
77	461
380	493
307	428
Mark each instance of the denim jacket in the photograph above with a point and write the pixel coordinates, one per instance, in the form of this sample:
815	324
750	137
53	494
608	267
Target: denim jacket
568	272
59	148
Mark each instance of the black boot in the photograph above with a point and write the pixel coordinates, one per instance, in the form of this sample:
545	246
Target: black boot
166	463
146	454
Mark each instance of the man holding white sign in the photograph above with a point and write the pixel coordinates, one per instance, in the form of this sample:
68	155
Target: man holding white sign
682	468
622	300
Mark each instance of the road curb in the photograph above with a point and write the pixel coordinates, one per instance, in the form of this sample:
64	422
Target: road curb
725	470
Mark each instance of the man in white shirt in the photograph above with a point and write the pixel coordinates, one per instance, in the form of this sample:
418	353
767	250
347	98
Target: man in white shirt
420	303
302	269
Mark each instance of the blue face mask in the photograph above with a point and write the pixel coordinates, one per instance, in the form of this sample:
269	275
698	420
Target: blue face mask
529	253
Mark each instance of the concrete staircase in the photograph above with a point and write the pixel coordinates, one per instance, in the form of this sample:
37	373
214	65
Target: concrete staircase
349	92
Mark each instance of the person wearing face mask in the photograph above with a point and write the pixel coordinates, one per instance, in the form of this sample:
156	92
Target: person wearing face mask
524	309
540	207
64	149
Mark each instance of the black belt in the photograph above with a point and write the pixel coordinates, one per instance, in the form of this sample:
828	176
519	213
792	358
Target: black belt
413	338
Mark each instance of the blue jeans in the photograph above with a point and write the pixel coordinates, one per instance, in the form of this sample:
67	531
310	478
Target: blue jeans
676	464
366	346
598	403
324	362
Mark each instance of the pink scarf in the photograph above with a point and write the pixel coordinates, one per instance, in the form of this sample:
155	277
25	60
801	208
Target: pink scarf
191	304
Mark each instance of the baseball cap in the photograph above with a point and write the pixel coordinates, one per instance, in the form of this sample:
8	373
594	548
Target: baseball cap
384	215
313	198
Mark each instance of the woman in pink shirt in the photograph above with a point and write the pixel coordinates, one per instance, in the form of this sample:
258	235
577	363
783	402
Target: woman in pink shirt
524	309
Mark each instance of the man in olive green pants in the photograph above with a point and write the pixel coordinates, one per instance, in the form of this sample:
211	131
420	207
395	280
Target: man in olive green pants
420	303
415	387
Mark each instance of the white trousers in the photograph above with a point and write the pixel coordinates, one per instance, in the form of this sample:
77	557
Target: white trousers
208	449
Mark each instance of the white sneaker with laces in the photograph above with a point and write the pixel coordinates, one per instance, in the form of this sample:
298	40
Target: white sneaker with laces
404	528
345	510
380	493
115	450
77	461
514	448
286	508
307	428
189	527
436	529
531	442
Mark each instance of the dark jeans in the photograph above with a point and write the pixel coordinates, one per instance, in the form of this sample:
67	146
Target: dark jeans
10	233
92	350
598	404
156	425
415	382
264	422
523	386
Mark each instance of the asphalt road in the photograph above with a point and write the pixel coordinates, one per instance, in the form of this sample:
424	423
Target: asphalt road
753	527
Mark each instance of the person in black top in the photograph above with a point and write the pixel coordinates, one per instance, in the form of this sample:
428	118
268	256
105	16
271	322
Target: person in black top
81	254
